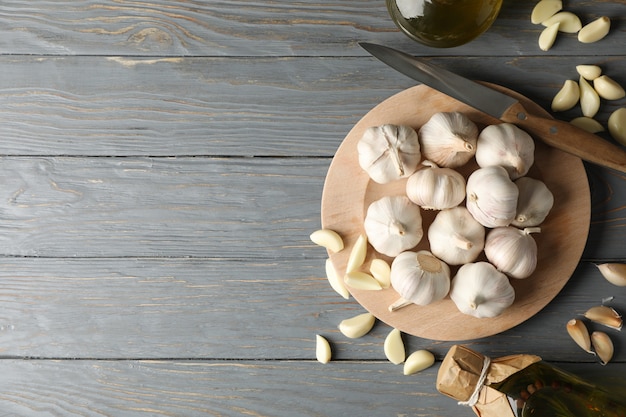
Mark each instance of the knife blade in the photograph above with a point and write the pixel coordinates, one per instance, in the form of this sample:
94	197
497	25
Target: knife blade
558	134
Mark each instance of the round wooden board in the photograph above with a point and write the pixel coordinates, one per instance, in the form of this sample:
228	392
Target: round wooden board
348	191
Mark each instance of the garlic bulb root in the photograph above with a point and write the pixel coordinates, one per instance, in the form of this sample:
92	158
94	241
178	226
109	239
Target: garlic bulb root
479	290
455	236
393	224
419	277
534	202
492	196
448	139
506	145
435	188
512	251
389	152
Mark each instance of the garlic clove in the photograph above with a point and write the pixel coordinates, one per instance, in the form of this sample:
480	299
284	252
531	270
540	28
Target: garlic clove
568	22
617	125
512	251
590	72
335	281
615	273
357	326
508	146
492	196
393	224
420	277
389	152
606	316
357	254
328	239
448	139
434	188
608	89
588	124
456	237
548	36
381	271
544	9
603	346
534	202
361	281
589	98
594	31
567	97
322	349
418	361
394	347
579	333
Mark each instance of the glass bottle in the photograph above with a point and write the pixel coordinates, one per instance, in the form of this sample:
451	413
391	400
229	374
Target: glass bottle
443	23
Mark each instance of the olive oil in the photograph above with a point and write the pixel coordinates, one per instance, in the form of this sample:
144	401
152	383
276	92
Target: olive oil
443	23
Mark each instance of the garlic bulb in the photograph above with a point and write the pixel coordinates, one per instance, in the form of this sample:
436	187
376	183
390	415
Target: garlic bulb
512	251
534	202
419	277
506	145
448	139
434	188
478	289
456	237
393	224
389	152
492	196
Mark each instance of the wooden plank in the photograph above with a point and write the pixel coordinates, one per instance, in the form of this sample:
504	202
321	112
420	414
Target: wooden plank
238	388
233	309
127	106
255	28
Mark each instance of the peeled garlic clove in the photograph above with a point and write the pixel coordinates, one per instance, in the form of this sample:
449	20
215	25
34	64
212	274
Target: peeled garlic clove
603	346
394	347
420	277
357	326
328	239
606	316
589	98
506	145
568	22
335	281
544	9
357	254
322	349
434	188
479	290
393	224
512	251
418	361
594	31
588	124
361	281
579	333
567	97
608	89
381	271
534	202
617	125
590	72
491	196
615	273
448	139
548	36
456	237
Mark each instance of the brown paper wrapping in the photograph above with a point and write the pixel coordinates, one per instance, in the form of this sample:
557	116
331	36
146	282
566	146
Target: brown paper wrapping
460	373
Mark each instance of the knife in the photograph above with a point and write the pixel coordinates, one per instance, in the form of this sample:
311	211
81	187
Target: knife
556	133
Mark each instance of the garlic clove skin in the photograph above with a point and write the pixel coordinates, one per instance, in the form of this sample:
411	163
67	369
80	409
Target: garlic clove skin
393	224
479	290
506	145
534	202
512	251
491	196
456	237
448	139
389	152
420	277
434	188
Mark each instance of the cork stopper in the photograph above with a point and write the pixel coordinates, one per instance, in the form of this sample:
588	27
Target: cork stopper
460	372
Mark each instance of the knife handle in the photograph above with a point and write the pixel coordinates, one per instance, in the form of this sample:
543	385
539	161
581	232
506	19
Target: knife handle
568	138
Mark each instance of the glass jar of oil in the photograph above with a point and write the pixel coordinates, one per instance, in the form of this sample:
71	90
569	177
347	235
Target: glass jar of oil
443	23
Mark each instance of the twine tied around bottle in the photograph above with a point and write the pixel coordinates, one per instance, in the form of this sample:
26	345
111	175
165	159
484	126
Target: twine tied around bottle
473	399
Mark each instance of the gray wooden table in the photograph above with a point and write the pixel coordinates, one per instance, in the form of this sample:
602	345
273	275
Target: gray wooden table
161	169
